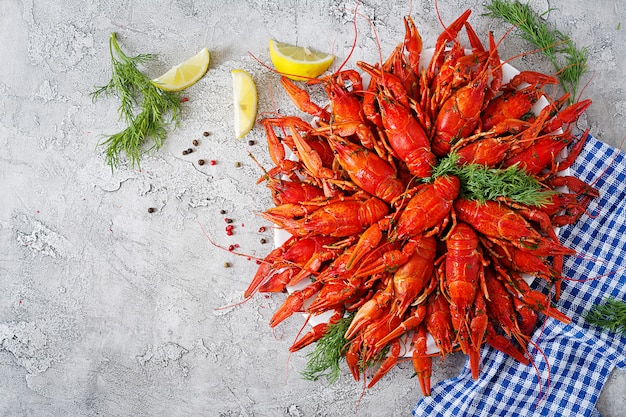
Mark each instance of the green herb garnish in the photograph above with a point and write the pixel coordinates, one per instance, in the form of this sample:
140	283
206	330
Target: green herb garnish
611	315
569	62
479	182
324	360
482	183
143	106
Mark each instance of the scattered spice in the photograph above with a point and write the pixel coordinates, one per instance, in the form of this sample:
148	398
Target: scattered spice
151	210
189	150
263	241
226	264
200	161
222	211
185	152
231	247
205	134
184	99
237	164
213	162
251	142
227	220
195	142
261	229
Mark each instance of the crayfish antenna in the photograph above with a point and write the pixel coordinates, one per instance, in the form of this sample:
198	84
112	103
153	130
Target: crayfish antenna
308	317
542	395
245	300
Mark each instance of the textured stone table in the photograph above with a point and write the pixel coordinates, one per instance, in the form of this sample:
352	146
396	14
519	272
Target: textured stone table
107	309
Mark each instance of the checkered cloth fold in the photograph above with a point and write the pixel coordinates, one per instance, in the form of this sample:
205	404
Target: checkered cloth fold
579	356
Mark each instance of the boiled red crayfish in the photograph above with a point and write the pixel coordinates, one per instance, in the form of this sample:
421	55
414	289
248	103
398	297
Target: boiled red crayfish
381	235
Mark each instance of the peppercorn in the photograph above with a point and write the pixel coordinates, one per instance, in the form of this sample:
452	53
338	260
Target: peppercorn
195	142
227	220
226	264
189	150
237	164
201	162
151	210
263	241
185	152
251	142
206	133
222	211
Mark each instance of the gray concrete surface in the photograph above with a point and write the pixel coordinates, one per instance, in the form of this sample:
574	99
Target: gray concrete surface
108	310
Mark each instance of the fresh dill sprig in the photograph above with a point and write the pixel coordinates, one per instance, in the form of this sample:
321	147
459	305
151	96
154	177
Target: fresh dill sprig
481	183
324	360
569	62
446	166
611	315
143	107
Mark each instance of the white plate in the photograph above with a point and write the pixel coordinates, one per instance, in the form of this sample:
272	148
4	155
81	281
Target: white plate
280	236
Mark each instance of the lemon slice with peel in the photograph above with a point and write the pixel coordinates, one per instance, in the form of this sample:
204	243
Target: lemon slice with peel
184	74
245	99
298	63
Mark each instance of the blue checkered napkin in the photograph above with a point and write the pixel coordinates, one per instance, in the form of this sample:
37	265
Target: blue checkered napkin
580	357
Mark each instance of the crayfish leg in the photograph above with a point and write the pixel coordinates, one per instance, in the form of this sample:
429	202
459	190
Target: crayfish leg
387	364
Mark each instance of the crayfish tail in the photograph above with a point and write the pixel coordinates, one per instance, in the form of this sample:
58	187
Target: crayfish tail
474	359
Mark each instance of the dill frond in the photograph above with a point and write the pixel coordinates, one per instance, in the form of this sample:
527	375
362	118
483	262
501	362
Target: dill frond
143	107
611	315
569	62
325	359
482	183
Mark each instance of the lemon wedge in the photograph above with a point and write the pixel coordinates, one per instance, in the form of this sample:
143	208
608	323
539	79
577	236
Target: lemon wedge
298	63
245	98
184	74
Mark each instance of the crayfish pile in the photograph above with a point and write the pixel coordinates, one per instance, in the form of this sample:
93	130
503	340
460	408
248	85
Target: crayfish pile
418	204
